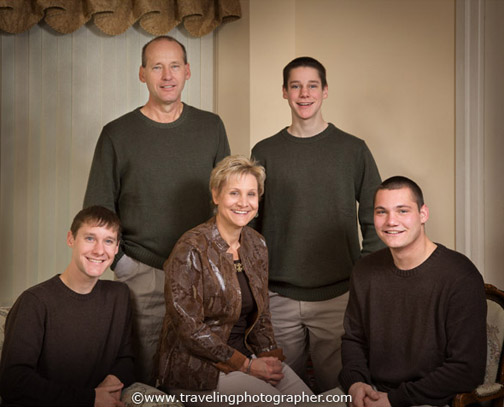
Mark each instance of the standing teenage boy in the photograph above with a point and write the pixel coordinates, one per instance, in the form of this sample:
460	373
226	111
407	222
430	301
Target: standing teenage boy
316	175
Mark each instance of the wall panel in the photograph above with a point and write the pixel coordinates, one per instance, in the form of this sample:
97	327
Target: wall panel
57	92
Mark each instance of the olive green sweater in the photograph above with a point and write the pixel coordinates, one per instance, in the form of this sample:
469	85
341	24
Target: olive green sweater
309	214
155	177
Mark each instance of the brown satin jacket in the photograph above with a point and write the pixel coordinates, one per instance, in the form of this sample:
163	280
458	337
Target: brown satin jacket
203	302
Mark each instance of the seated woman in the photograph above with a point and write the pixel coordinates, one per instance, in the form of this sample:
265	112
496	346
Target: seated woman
217	336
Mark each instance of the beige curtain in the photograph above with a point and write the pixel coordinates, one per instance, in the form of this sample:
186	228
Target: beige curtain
113	17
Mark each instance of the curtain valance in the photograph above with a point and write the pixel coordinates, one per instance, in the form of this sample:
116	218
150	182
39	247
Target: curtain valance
114	17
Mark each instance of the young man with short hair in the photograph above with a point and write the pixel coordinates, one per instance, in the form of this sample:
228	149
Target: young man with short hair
68	339
316	174
415	326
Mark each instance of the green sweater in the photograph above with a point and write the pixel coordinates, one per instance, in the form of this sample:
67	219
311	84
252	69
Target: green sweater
308	214
155	177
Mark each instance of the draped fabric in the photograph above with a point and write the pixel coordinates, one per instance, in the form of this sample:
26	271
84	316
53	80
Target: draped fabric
113	17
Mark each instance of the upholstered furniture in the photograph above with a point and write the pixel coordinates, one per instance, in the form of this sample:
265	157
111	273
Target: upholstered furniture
493	387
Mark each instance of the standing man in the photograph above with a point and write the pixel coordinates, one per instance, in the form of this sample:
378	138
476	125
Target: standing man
415	326
316	174
152	166
68	339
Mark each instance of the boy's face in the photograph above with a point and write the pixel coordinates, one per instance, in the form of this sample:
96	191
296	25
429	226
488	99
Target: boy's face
304	92
397	219
93	249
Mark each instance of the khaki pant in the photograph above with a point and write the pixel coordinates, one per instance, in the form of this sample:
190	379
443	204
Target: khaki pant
314	328
238	383
146	286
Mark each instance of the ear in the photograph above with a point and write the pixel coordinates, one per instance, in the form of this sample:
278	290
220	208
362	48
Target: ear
215	197
187	71
284	93
117	247
424	214
141	74
325	92
70	239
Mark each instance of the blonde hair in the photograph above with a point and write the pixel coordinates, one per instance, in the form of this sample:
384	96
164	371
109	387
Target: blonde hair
236	165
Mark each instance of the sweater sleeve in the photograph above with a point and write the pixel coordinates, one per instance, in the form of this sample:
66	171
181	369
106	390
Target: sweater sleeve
104	183
184	282
123	367
464	364
366	186
354	346
20	381
223	149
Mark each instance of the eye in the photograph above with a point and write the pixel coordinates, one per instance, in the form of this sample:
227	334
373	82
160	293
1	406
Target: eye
294	86
252	194
233	193
379	212
175	66
313	86
403	211
89	239
156	67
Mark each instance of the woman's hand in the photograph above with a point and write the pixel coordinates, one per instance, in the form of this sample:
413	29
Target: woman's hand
266	368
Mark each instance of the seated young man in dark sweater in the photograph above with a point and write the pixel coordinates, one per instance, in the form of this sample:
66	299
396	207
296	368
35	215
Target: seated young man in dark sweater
67	340
415	323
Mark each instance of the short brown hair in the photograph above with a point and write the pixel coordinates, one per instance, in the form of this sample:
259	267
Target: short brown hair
399	182
160	38
305	62
96	216
236	165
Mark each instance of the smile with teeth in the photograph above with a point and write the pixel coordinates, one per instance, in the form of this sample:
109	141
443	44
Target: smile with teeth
95	261
393	232
305	103
240	212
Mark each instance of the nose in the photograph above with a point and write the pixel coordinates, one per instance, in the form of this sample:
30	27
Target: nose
303	92
167	73
242	201
98	247
391	219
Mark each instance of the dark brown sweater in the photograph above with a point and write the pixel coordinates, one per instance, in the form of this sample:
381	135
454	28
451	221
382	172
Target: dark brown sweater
59	345
420	334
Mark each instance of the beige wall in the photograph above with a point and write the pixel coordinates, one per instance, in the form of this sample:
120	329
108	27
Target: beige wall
494	142
57	92
391	75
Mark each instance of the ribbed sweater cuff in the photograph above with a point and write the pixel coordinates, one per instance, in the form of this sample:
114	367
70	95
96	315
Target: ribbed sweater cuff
348	377
310	293
398	398
145	257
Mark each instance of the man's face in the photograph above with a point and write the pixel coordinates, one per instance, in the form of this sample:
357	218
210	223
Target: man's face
165	72
93	249
304	92
398	221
